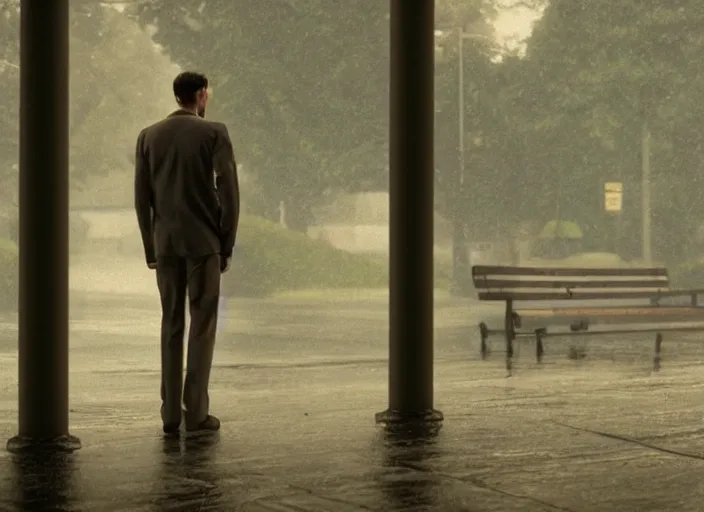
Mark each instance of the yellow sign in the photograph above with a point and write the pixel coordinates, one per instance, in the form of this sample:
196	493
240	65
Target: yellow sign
613	196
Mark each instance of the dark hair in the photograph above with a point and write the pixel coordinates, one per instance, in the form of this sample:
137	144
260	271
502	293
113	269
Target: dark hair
186	85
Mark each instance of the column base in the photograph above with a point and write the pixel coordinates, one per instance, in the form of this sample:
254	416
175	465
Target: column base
394	419
62	444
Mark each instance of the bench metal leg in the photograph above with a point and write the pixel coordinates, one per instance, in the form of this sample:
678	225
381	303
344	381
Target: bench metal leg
484	347
509	353
509	328
539	348
658	349
578	350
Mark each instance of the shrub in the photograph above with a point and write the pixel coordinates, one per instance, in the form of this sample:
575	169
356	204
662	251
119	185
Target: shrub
78	232
9	263
688	275
269	258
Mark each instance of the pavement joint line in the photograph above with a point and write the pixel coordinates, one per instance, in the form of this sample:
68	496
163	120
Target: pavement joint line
331	499
483	485
630	440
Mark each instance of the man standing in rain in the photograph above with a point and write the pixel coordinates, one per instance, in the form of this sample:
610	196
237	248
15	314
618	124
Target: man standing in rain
187	202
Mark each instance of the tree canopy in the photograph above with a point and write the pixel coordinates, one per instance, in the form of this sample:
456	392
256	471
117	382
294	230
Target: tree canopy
303	86
119	83
299	83
594	74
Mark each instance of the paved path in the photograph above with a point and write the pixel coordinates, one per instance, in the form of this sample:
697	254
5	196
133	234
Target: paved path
297	384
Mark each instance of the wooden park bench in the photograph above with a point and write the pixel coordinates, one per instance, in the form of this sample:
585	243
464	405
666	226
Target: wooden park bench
568	301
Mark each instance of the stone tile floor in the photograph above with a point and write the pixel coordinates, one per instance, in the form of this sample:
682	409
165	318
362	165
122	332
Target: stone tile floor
297	384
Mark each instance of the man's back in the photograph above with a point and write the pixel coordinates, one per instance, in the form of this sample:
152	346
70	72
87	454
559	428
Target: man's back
180	156
187	204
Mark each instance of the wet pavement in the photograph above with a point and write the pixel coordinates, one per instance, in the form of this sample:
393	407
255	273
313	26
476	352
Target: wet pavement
297	383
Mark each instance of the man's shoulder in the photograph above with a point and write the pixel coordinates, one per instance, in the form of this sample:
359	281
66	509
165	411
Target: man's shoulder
218	126
194	121
155	126
193	124
148	129
209	128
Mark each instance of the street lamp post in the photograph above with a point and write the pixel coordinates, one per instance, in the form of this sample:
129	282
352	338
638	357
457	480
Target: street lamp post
645	196
460	256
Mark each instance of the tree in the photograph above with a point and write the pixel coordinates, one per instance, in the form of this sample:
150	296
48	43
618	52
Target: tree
9	74
119	83
468	203
301	84
594	75
493	149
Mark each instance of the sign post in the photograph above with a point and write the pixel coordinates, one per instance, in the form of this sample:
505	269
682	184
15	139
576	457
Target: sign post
613	205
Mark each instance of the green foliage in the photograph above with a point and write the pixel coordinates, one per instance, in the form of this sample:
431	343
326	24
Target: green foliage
78	232
301	85
9	77
689	274
483	130
269	258
304	87
594	74
9	270
119	84
108	104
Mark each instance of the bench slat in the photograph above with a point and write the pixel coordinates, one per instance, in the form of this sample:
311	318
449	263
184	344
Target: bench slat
491	284
608	312
576	295
487	270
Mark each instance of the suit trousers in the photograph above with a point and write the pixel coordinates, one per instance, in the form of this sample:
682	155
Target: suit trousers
197	279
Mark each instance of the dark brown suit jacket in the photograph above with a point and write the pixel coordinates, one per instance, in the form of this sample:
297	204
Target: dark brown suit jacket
186	188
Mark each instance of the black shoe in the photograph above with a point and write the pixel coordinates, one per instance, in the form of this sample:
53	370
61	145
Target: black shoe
171	429
210	424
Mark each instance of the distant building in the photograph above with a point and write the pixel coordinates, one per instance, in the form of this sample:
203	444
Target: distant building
360	223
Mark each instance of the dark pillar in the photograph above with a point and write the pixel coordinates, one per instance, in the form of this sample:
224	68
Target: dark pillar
411	197
43	296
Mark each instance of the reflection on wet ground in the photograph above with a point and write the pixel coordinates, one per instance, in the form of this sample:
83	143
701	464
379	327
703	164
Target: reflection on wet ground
297	384
409	483
44	482
188	474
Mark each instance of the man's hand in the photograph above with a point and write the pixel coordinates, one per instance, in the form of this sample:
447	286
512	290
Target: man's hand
151	265
225	263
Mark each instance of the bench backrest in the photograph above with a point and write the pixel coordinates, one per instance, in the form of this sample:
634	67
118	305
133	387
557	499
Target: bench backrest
535	283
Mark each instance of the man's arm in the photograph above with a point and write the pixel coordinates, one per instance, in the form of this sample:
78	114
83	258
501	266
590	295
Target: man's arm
228	190
143	201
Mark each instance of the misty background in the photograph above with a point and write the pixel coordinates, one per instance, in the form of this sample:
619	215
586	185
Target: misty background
568	133
541	106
